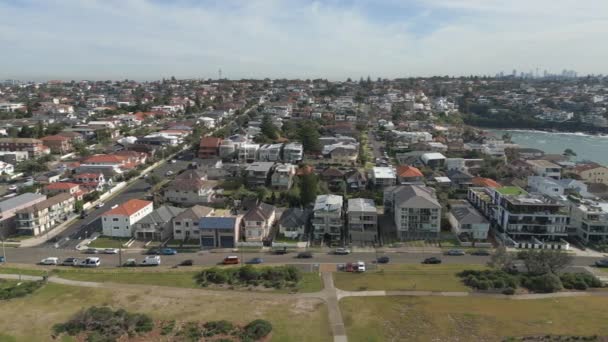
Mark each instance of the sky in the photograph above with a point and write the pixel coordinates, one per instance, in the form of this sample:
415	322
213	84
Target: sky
334	39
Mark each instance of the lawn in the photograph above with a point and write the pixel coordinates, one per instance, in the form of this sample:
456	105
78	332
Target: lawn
292	319
22	271
108	242
405	277
470	319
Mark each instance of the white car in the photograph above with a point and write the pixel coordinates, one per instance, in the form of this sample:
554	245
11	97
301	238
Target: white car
110	251
169	173
99	205
49	261
360	266
90	262
151	260
173	161
12	188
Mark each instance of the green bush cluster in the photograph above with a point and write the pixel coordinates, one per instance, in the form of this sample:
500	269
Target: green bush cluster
277	277
489	279
545	283
254	331
105	324
19	289
579	281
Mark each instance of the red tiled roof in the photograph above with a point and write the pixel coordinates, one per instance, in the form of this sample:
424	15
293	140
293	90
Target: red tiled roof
105	158
407	171
128	208
54	138
60	186
485	182
210	142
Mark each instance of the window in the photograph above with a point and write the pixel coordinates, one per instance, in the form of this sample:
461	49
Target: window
116	227
178	232
115	219
177	223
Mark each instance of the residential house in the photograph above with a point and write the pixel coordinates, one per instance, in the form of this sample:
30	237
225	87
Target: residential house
460	179
484	182
409	174
10	206
592	173
258	221
328	217
293	153
590	219
362	221
466	220
57	144
293	222
383	176
14	158
270	152
283	177
90	181
209	147
416	211
185	224
213	168
258	173
342	153
34	147
64	187
334	177
433	160
157	225
545	168
43	216
191	187
247	153
118	222
356	180
48	177
557	188
219	231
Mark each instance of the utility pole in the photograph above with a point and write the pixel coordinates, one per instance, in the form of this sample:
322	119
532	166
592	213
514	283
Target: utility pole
3	249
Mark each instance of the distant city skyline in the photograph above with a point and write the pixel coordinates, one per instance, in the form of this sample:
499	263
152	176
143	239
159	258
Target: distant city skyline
334	39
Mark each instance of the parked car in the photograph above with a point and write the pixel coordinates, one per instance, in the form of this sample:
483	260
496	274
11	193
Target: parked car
153	251
151	260
99	205
70	262
83	214
481	252
91	251
110	251
602	263
90	262
130	263
114	206
455	252
49	261
383	260
231	260
359	266
255	261
168	251
342	251
2	259
304	255
173	161
169	173
280	251
431	260
187	262
12	188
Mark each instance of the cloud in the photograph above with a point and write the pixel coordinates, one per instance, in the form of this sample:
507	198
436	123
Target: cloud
103	39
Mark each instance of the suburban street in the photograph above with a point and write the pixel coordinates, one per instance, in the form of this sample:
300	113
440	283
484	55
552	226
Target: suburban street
82	228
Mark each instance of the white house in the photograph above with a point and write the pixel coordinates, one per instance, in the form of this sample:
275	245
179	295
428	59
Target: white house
118	222
465	219
6	168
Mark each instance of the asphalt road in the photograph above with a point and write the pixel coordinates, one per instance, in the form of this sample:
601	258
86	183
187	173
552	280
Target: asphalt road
81	228
375	145
34	255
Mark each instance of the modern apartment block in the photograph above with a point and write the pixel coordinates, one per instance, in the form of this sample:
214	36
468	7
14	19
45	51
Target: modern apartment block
362	221
545	168
416	210
293	153
590	219
328	217
43	216
34	147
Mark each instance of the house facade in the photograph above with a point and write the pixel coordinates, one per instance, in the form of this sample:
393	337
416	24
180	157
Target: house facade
9	207
328	217
283	177
34	147
464	219
157	225
362	221
186	223
118	222
43	216
415	209
258	221
293	222
219	231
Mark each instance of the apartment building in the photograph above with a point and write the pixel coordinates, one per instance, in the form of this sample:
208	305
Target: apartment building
258	173
270	152
43	216
383	176
209	147
465	219
34	147
545	168
415	209
592	173
328	217
283	177
362	221
185	224
590	219
9	207
248	153
57	144
293	153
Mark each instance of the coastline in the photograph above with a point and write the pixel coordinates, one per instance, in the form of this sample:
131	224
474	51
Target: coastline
580	134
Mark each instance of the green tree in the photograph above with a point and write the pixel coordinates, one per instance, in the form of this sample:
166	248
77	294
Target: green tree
268	128
311	185
309	135
569	153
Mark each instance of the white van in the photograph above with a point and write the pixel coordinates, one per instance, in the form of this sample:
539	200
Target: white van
49	261
360	266
151	260
90	262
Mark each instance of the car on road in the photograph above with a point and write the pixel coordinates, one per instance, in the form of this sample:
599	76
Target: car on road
342	251
70	262
455	252
481	252
169	173
2	259
255	261
91	251
110	251
359	266
151	260
602	263
304	255
114	206
231	260
187	262
49	261
90	262
99	205
168	251
173	161
12	188
431	260
280	251
83	214
130	263
383	260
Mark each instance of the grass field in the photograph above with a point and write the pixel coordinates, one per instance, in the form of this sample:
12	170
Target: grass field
405	277
470	319
22	271
311	282
292	319
108	242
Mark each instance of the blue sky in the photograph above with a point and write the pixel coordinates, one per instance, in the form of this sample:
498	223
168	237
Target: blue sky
335	39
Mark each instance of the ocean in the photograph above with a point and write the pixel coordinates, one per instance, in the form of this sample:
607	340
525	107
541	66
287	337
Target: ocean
587	147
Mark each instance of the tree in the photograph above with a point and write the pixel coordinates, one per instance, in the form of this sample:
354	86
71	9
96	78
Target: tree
81	149
268	128
78	206
507	137
153	179
31	167
501	259
310	184
544	261
309	135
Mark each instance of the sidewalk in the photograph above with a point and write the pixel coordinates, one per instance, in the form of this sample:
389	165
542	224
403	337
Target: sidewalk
38	240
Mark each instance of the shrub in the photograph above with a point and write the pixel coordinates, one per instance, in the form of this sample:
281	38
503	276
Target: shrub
508	291
579	281
258	329
248	275
167	328
545	283
488	279
20	290
218	327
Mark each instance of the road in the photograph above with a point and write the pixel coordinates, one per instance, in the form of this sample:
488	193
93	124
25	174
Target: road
34	255
82	228
375	144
